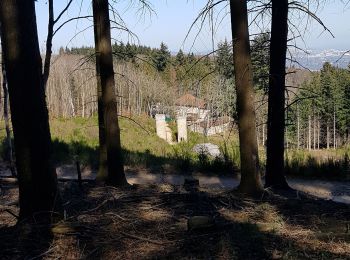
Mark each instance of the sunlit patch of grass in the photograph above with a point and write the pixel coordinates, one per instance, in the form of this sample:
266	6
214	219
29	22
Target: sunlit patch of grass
77	139
328	164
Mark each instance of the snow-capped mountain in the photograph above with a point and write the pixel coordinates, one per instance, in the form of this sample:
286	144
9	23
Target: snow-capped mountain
314	60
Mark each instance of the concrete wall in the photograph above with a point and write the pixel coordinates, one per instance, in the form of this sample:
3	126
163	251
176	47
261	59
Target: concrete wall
160	126
183	111
181	122
210	130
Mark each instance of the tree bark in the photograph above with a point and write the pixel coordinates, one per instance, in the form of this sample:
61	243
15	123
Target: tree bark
258	135
309	146
48	54
334	131
111	156
276	115
327	134
38	193
250	175
318	132
7	122
263	135
298	127
314	130
9	149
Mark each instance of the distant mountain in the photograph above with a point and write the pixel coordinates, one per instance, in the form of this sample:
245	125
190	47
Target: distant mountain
314	60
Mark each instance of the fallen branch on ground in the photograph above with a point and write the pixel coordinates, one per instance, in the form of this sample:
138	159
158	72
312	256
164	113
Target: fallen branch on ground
142	239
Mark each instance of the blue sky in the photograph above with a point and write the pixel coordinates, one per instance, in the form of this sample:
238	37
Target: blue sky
172	19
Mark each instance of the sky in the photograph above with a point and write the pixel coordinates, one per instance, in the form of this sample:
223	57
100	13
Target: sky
171	20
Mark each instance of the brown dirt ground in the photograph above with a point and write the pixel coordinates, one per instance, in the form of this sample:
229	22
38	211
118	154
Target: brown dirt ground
150	222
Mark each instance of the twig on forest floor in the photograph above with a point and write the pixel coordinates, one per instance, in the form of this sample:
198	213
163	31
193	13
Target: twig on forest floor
116	215
98	207
153	207
12	203
11	213
45	253
143	239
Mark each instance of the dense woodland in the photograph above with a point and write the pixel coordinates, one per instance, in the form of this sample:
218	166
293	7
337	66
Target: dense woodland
276	109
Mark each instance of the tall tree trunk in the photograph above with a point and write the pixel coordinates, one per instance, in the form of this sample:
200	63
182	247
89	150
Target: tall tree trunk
9	150
48	54
111	151
314	127
327	134
258	136
318	132
298	127
276	107
250	175
263	135
309	145
38	193
334	131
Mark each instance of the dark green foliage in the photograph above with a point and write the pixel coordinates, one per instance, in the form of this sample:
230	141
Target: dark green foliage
180	58
84	50
161	57
224	60
260	60
191	58
326	95
129	52
328	89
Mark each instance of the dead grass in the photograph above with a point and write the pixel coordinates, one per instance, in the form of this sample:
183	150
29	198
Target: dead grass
151	222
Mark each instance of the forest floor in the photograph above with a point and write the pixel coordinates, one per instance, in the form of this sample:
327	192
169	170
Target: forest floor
152	222
336	190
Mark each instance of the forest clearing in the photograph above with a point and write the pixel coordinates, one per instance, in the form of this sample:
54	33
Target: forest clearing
118	140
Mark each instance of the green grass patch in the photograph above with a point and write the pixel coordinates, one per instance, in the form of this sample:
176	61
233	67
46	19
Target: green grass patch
77	139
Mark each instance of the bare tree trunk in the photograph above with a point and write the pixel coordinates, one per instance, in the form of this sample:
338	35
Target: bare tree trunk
309	135
334	131
327	134
298	127
314	130
250	175
276	106
6	117
49	37
83	104
318	132
258	136
263	135
38	193
108	107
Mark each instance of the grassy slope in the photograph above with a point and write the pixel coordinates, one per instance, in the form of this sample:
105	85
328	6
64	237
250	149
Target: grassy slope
78	139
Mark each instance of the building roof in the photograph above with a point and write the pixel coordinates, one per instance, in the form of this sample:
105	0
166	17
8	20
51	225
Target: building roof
189	100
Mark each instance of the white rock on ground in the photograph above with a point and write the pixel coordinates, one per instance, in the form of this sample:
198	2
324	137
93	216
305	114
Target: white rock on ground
208	149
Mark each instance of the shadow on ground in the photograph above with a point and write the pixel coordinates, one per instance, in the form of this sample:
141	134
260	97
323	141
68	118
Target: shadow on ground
69	152
150	222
